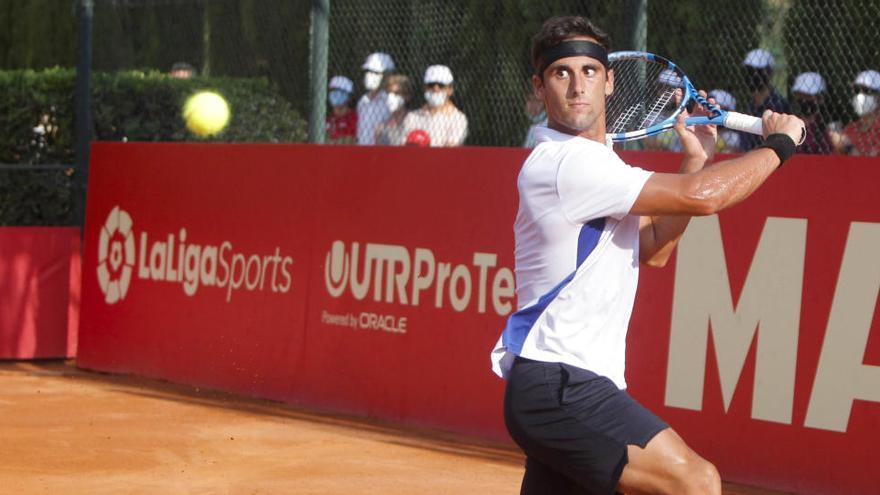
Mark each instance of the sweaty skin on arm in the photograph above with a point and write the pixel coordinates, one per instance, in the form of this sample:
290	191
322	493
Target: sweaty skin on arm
667	201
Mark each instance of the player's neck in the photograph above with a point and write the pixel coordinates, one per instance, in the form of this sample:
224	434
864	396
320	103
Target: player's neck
594	133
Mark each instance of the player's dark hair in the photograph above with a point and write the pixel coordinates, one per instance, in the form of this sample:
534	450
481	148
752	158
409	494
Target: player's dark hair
558	29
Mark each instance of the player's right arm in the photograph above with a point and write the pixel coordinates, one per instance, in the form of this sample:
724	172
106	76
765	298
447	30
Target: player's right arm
719	186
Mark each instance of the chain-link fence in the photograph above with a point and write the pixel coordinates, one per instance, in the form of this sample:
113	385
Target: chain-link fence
486	45
150	55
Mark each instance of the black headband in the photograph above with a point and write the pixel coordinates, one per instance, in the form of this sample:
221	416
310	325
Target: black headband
570	49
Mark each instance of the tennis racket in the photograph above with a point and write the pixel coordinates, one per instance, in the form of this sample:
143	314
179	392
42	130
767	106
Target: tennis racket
643	103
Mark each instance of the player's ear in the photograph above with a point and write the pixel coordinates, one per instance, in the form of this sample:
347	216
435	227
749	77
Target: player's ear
538	85
609	82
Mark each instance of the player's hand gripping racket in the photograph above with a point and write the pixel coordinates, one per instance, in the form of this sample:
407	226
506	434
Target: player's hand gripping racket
643	103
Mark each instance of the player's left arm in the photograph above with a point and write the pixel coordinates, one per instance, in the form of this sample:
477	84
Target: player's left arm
658	235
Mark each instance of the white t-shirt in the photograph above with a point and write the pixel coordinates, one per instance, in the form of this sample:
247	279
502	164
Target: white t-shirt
577	257
371	113
445	128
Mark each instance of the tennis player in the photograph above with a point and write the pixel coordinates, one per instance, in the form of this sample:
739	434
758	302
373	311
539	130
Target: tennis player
585	222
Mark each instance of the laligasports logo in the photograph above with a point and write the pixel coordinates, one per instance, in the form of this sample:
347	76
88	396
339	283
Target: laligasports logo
115	255
396	275
192	265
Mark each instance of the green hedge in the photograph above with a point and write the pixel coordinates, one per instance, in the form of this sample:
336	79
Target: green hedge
126	106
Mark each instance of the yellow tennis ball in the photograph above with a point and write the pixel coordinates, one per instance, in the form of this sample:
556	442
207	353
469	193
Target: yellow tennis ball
206	113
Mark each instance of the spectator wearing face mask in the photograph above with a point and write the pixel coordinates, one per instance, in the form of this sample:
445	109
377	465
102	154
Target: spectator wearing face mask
372	108
439	117
342	120
758	70
862	136
399	91
808	92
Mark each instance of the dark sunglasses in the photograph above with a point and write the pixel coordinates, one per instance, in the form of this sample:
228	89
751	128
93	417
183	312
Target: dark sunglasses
436	85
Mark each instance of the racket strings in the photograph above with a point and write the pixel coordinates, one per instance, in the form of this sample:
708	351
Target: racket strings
644	93
624	120
657	109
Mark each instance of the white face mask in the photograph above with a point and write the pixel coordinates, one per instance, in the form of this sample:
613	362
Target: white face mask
864	104
394	101
372	80
435	98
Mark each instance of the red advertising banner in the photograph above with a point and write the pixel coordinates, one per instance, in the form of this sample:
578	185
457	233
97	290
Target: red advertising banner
760	344
39	292
376	281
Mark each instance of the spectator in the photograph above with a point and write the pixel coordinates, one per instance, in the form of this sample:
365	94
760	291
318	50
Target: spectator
758	66
444	122
862	136
399	91
728	139
182	70
808	91
373	105
537	116
342	121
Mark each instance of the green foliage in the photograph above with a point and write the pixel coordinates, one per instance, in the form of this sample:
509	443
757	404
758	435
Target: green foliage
127	106
220	38
708	41
36	197
35	34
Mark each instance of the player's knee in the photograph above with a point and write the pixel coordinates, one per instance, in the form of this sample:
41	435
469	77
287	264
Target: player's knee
701	478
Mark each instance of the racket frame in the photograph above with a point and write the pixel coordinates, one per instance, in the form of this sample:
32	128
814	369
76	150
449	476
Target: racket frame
716	116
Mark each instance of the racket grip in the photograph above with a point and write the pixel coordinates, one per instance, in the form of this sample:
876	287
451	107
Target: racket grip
752	125
744	123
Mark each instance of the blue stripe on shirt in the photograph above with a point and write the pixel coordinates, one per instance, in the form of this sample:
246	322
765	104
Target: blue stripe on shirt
520	323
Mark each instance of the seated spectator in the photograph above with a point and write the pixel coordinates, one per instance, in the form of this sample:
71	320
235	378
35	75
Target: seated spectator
372	108
862	136
444	122
728	139
808	93
342	120
758	67
399	91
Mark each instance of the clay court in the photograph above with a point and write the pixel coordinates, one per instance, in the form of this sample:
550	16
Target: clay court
71	431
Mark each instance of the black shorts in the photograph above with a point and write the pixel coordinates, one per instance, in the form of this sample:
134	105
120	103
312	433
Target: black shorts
574	427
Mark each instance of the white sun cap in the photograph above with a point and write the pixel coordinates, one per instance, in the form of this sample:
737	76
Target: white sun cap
378	62
341	83
869	79
759	59
809	83
670	78
438	74
723	99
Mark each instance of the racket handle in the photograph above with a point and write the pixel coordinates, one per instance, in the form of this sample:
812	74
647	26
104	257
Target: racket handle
744	123
752	125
